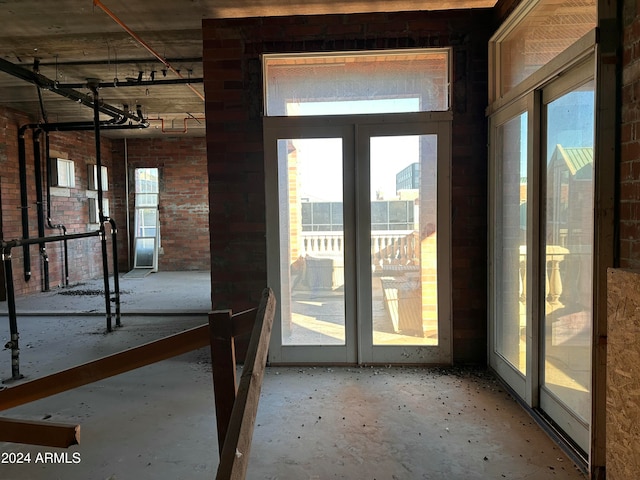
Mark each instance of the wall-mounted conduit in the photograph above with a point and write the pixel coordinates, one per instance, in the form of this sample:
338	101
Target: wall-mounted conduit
37	129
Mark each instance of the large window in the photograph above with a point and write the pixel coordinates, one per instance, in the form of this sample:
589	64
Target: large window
543	144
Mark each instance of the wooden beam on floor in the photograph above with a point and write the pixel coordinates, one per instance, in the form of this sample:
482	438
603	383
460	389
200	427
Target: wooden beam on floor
39	433
121	362
234	459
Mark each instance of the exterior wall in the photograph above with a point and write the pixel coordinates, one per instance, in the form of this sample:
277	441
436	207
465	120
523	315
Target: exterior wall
69	207
232	73
630	139
184	200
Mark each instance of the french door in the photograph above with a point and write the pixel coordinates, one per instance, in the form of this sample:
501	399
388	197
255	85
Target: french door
357	233
542	243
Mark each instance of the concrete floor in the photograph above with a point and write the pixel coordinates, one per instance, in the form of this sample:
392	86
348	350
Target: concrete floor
313	423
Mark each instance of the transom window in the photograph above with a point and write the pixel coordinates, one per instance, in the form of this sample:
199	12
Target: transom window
350	83
536	33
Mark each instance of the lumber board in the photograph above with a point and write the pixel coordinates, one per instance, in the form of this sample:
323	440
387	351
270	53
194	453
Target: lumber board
223	369
111	365
39	433
234	459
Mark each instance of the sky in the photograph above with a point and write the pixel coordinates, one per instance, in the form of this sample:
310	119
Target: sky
320	160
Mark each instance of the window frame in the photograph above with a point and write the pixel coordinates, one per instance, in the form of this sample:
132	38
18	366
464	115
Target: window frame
448	51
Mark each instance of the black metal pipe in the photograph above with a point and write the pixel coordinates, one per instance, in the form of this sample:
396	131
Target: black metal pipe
113	124
135	83
105	272
116	278
134	126
70	126
24	206
52	86
5	257
126	61
50	223
37	241
101	216
66	257
43	110
13	344
37	162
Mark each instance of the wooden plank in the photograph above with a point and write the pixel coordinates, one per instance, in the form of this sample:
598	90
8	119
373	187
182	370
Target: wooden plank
234	459
105	367
39	433
223	369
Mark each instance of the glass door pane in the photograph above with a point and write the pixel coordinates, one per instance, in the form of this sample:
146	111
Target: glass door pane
568	316
144	254
511	242
147	222
311	241
403	229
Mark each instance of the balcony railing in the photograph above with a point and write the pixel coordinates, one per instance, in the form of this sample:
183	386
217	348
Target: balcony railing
567	276
389	247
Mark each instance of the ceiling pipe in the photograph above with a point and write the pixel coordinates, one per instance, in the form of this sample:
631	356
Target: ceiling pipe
126	61
82	126
52	86
138	39
135	83
176	130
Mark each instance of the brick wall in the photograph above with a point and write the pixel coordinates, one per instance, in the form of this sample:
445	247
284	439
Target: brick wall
235	146
69	207
184	199
630	139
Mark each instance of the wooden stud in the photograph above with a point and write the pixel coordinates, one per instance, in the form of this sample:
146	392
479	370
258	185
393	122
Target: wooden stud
223	369
39	433
234	459
105	367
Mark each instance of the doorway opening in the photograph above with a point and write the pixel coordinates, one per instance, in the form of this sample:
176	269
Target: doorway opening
358	220
146	241
357	149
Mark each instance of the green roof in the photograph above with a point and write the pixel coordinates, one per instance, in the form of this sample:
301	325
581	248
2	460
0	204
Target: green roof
575	158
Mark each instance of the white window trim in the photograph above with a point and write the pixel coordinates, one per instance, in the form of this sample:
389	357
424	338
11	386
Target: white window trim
92	177
62	164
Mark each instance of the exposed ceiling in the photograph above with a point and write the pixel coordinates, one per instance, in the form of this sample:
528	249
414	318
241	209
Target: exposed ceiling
68	42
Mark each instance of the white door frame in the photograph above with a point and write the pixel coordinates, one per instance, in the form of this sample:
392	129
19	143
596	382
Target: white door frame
355	131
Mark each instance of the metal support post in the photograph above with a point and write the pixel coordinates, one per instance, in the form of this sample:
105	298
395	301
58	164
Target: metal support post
13	343
116	279
101	217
